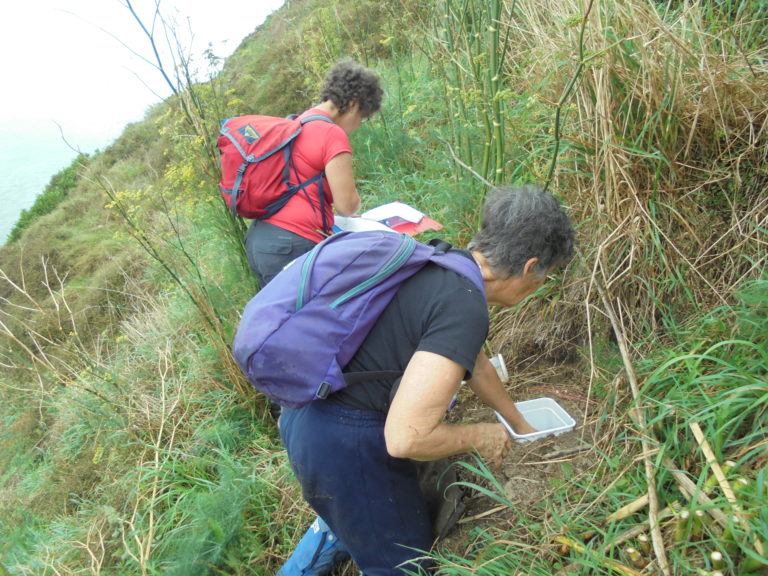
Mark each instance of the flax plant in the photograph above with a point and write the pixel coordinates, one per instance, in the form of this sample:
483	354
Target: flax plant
199	106
171	248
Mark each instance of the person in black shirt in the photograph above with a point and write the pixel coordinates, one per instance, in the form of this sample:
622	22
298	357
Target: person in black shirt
354	453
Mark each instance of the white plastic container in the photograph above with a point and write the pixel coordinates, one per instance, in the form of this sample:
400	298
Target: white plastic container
544	414
501	367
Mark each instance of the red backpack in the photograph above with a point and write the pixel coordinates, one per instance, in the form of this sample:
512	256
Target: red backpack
256	163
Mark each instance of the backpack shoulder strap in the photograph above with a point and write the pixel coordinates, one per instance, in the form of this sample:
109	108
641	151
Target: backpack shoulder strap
400	247
457	262
313	117
443	257
317	178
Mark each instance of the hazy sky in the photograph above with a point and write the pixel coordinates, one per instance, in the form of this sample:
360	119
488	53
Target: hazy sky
62	60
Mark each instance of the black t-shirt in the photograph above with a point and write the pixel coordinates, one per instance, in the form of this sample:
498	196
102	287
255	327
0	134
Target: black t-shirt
436	311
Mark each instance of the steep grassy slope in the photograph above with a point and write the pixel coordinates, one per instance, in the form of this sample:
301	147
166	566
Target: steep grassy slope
129	442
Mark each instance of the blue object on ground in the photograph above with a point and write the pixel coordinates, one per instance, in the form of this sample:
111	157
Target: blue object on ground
316	554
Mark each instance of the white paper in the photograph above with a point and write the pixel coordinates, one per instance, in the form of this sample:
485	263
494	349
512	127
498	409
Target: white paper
352	224
387	211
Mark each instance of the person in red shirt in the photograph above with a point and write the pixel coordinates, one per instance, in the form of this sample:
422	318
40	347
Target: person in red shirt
350	94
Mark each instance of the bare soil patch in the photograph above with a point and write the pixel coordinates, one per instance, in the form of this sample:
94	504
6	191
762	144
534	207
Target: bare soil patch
532	469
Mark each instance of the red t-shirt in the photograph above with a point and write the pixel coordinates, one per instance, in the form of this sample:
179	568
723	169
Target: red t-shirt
315	146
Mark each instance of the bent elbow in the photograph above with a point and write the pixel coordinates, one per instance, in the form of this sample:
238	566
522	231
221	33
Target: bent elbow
400	445
348	208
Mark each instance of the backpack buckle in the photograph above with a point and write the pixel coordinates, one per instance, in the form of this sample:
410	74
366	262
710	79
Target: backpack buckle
323	390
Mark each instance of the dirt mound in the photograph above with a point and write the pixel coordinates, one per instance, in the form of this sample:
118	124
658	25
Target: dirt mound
532	470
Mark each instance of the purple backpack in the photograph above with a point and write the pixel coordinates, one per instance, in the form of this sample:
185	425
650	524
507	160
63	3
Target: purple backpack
300	330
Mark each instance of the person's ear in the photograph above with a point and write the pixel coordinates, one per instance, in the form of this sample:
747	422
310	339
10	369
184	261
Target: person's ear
530	266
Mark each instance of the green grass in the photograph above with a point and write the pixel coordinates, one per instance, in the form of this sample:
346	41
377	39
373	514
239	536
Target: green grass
714	378
131	444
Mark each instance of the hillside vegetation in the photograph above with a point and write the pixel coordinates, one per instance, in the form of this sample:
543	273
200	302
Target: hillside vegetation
131	444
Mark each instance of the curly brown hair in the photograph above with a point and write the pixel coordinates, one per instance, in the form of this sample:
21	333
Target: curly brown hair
349	82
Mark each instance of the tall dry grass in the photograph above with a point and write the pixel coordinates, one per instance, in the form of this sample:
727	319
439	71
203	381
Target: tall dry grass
657	138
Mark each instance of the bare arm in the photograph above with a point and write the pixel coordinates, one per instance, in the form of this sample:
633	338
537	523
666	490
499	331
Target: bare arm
341	179
490	389
415	428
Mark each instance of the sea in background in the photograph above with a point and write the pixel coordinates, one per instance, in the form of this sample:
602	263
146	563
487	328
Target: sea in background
31	152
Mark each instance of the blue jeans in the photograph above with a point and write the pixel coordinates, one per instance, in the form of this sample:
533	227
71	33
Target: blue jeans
371	501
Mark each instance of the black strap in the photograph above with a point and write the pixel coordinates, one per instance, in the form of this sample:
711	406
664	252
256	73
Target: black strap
357	377
440	245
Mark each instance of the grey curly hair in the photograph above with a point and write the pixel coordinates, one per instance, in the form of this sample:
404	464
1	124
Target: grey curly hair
520	224
349	82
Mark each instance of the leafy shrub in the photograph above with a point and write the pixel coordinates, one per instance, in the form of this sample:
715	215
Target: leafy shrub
55	192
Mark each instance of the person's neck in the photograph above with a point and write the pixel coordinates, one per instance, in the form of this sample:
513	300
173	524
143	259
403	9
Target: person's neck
490	280
482	263
329	108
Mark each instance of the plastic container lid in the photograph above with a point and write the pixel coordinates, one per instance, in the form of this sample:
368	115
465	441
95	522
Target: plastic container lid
544	414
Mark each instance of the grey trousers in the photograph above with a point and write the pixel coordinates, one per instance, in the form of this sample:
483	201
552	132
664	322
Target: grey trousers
270	248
